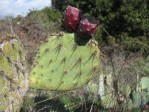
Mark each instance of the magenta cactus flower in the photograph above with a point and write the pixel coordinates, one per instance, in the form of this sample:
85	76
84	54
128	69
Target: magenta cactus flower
71	18
87	27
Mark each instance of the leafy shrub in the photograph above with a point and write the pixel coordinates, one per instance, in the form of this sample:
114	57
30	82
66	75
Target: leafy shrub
117	16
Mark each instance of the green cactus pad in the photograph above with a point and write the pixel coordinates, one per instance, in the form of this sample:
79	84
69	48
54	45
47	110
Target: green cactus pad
136	99
144	83
13	74
62	64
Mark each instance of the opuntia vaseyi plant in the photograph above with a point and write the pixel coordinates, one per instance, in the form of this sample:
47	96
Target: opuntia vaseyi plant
62	64
87	27
71	18
13	74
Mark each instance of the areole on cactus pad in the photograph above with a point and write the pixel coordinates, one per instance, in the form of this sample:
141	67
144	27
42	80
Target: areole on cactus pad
71	18
62	64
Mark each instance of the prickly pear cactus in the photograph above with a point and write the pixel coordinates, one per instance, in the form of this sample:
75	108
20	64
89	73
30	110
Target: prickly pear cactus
64	64
13	74
141	96
144	83
136	98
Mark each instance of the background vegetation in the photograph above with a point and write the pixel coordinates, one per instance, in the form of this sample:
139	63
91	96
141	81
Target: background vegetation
116	16
120	21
